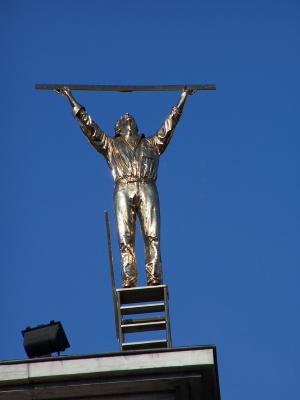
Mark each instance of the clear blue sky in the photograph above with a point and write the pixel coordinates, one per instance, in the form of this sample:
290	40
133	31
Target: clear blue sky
228	183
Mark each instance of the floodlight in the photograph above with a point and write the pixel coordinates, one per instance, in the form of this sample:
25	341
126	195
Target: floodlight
45	339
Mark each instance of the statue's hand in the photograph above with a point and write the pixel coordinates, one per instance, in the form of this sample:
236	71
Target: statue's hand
65	91
189	92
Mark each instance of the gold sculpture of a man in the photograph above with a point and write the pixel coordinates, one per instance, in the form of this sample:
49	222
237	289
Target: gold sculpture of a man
133	160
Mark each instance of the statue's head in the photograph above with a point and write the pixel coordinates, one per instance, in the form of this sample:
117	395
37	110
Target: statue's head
126	125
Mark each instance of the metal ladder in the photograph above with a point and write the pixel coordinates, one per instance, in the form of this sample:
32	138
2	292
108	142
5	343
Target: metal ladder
146	306
142	302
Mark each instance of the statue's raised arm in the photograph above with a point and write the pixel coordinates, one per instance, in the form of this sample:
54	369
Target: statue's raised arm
163	136
94	134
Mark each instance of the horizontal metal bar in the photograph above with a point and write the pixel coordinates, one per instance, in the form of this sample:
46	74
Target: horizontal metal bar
141	294
149	344
130	321
151	326
125	88
143	308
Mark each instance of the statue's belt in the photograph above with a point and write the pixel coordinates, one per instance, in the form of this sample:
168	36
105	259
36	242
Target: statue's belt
132	179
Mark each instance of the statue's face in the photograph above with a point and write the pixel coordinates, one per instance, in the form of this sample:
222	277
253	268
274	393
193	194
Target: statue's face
126	125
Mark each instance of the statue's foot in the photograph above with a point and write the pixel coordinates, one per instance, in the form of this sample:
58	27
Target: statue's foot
154	282
128	283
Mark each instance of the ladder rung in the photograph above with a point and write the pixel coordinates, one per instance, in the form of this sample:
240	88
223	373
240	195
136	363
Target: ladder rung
143	308
129	321
144	326
150	344
141	294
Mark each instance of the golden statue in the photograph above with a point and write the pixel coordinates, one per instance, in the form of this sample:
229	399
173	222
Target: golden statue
133	160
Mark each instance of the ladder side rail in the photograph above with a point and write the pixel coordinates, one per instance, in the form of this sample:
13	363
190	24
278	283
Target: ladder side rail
167	316
121	334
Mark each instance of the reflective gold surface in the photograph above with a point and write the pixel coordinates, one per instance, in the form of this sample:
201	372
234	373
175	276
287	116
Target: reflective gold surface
134	161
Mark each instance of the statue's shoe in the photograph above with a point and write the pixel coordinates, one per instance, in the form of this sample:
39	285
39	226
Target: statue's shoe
128	283
154	282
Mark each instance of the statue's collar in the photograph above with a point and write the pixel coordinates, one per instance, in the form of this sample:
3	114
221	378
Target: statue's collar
132	141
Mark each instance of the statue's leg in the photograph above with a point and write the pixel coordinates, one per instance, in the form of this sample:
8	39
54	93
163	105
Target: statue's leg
149	214
125	219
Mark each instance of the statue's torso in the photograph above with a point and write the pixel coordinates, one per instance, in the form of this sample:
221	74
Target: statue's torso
133	160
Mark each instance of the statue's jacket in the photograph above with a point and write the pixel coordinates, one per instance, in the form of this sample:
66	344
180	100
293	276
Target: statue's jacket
134	161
